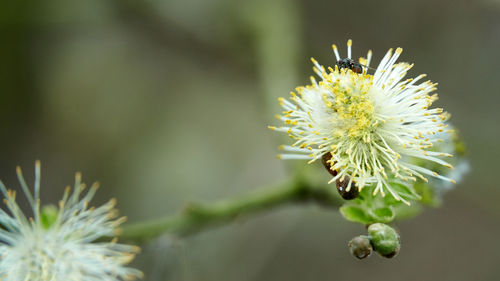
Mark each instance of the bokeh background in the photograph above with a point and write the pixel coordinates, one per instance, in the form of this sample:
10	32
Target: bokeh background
166	102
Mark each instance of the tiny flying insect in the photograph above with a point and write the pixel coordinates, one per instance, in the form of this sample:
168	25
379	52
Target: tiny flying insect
349	63
341	185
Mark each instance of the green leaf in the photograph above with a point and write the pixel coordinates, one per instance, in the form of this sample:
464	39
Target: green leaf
406	192
384	214
429	197
356	214
389	200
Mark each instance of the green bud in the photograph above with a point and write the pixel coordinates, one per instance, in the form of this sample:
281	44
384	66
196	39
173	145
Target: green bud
360	246
48	216
385	239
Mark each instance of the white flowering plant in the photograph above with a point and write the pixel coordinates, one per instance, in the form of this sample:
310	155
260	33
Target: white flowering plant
369	209
387	149
60	243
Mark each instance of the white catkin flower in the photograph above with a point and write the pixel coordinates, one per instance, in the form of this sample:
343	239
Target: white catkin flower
460	163
64	249
371	124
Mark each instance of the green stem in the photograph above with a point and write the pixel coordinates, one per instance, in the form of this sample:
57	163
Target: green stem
197	217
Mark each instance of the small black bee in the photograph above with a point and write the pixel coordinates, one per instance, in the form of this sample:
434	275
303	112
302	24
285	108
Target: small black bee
352	65
341	185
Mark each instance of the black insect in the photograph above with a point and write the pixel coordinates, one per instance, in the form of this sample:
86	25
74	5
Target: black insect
350	64
353	193
341	185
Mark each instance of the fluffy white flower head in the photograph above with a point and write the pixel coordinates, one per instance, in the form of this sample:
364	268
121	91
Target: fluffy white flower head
371	124
61	249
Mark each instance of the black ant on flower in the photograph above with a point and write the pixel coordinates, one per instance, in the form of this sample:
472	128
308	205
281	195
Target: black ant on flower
349	63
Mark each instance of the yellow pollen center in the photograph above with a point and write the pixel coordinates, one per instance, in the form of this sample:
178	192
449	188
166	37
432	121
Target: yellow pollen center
352	104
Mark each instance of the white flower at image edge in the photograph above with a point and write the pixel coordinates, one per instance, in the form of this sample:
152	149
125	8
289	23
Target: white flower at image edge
371	124
63	249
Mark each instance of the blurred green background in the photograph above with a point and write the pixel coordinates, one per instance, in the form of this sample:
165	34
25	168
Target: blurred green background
166	102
